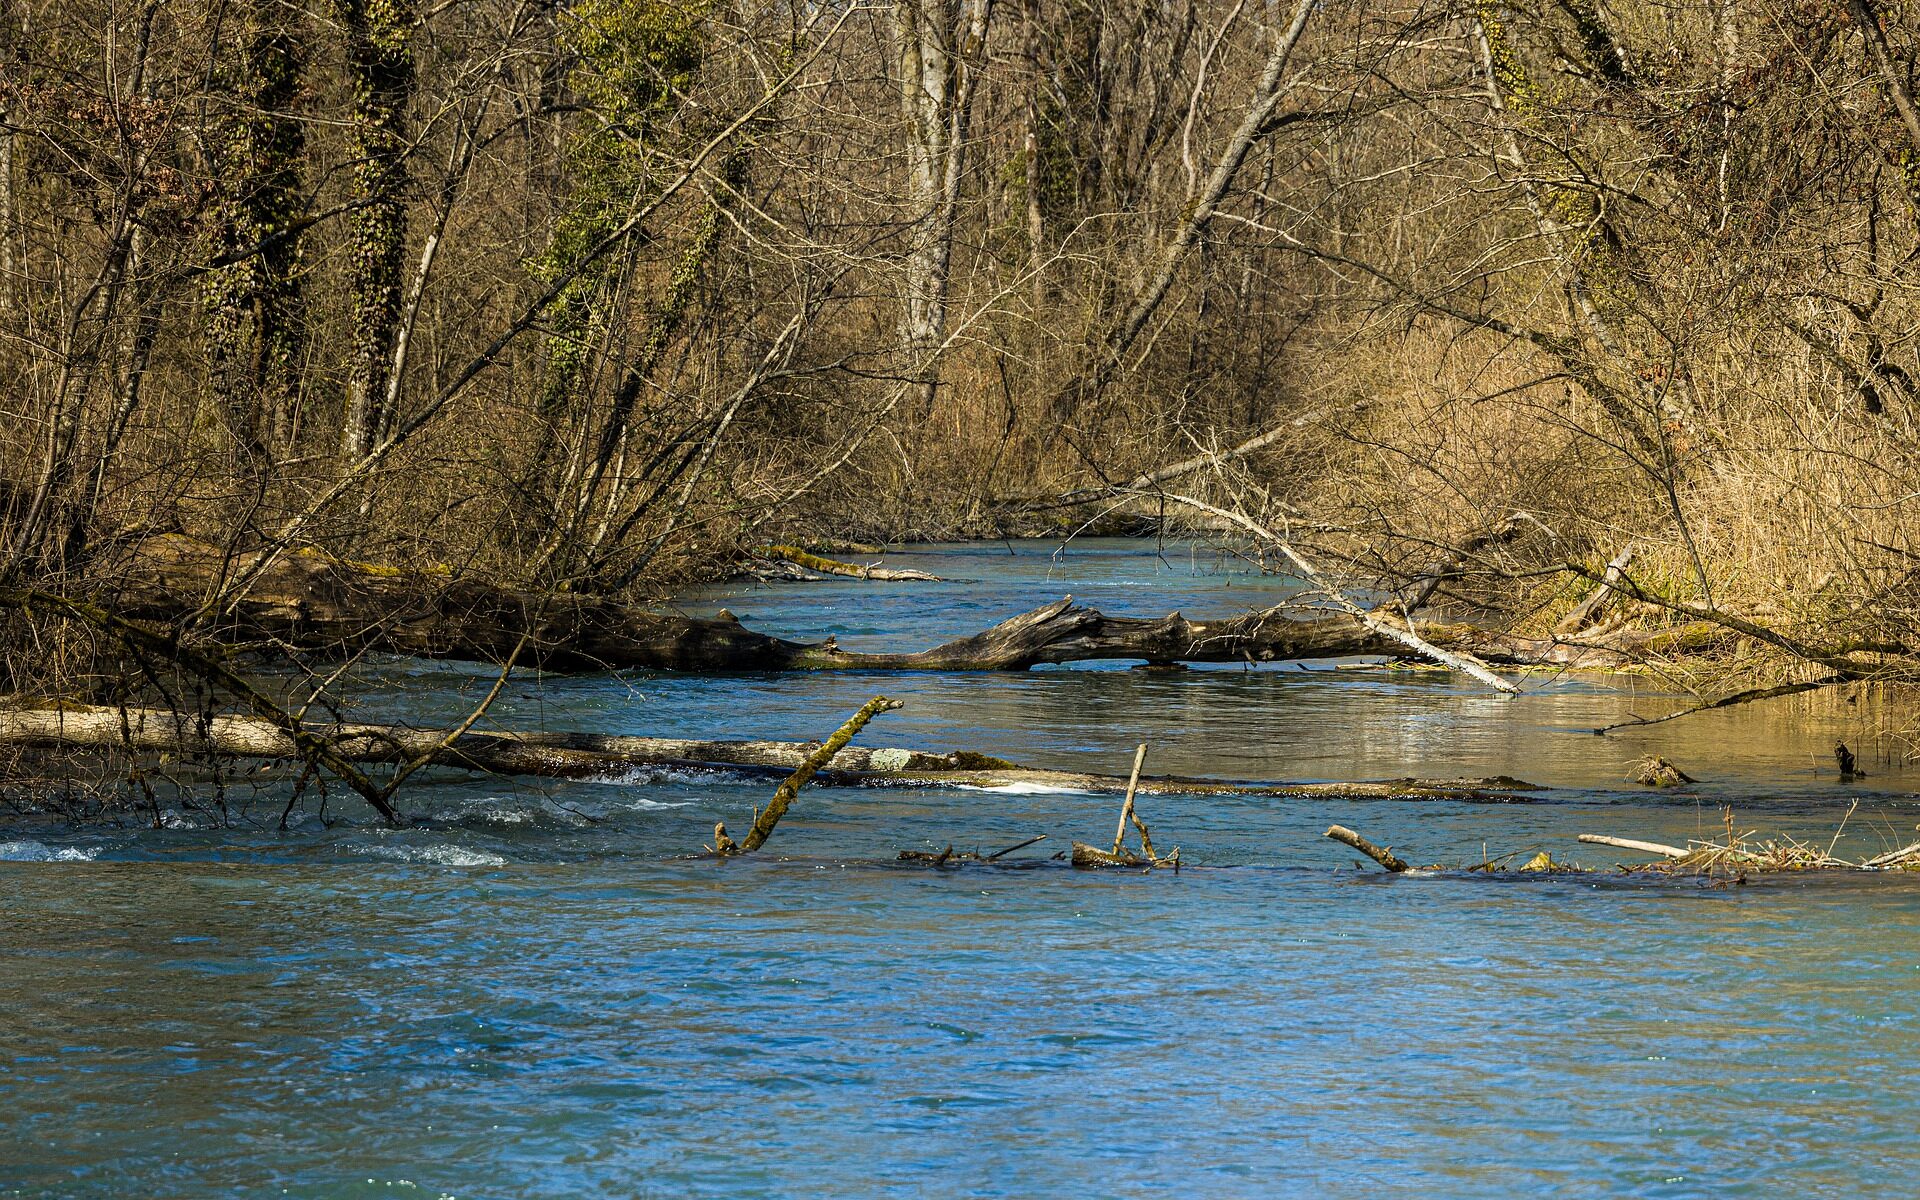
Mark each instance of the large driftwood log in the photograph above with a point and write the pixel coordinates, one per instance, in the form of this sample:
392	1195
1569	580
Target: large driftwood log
587	755
316	602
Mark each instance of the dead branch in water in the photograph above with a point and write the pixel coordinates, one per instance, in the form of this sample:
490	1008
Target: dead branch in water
1665	851
1088	856
1385	857
928	858
1126	805
783	797
1746	697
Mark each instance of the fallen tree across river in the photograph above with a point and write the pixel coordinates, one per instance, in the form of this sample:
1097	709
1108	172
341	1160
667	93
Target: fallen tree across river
589	755
308	601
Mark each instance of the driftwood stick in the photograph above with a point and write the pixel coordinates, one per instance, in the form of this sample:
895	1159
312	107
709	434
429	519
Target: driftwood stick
1893	856
1126	806
1746	697
1665	851
783	797
999	854
1386	858
1146	839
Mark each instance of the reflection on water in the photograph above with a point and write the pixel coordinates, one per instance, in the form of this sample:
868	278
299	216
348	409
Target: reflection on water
531	995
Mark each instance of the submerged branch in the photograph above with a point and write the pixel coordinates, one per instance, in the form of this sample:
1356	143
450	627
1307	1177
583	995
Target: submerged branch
1746	697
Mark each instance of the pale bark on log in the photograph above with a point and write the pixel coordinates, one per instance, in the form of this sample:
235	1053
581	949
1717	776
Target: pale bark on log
1665	851
1584	612
1893	858
587	756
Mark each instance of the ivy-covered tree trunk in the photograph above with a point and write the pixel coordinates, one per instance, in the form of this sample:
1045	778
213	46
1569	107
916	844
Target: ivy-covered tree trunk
632	62
380	72
254	322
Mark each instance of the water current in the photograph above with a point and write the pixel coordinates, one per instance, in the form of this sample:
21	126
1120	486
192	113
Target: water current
532	993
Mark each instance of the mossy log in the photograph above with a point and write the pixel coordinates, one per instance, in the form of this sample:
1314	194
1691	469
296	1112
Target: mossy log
589	755
314	602
807	560
789	790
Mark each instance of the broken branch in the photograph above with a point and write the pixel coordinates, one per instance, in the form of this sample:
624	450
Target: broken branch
783	796
1385	857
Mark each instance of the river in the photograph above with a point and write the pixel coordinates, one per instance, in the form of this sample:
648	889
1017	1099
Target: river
533	994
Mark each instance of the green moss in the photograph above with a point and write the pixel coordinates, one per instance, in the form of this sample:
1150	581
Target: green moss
634	61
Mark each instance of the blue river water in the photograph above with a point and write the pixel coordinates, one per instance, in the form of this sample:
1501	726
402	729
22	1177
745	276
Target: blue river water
535	993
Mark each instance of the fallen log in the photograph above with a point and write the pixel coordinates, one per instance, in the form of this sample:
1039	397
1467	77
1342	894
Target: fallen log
310	601
808	561
589	756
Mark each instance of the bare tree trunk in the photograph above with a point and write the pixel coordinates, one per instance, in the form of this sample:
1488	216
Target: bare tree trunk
937	46
1726	20
11	41
53	526
1036	177
8	268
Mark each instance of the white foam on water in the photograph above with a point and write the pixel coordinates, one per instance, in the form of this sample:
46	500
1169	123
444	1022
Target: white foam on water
498	813
439	854
668	776
642	804
1023	789
32	851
